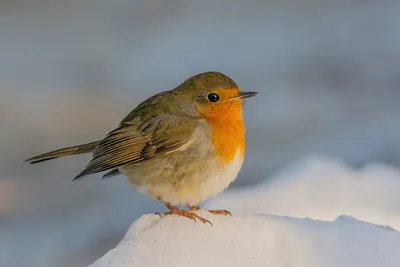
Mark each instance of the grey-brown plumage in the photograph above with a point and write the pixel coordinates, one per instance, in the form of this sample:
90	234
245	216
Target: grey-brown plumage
180	146
159	125
68	151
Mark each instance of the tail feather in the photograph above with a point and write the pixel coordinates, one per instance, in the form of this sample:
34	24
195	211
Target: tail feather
110	174
68	151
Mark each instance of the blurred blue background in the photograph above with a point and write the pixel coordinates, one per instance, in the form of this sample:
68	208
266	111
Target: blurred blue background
327	73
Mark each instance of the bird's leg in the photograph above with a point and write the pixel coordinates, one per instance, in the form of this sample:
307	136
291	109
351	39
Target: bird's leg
185	213
216	212
193	208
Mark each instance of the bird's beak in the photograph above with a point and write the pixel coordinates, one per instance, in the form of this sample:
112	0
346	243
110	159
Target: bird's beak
243	95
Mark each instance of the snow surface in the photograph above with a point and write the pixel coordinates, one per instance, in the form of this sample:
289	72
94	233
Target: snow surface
254	240
322	188
319	188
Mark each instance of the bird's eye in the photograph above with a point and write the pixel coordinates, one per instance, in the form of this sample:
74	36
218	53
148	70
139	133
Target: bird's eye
213	97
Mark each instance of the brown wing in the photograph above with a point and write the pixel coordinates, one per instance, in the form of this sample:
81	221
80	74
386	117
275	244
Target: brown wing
128	144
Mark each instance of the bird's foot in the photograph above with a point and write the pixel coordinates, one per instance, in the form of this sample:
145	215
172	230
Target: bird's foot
220	212
216	212
185	213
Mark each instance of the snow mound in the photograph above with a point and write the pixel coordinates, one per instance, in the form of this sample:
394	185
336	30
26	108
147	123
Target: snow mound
254	240
322	188
316	193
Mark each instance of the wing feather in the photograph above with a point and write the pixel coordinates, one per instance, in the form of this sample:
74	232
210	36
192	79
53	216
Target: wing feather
128	145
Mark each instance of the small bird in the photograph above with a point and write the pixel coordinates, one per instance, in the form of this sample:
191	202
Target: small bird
180	146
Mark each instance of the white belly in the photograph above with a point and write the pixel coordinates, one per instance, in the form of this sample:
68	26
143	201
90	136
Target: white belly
194	188
218	180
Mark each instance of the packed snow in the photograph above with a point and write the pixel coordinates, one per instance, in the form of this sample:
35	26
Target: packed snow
322	188
254	240
338	216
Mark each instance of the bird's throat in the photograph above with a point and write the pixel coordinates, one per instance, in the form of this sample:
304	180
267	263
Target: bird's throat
227	129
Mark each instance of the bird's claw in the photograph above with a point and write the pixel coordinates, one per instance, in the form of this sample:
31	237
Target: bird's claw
188	214
220	212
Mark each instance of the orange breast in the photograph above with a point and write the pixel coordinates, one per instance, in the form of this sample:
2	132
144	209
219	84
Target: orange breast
227	131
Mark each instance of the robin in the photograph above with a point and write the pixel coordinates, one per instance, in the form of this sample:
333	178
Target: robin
180	146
